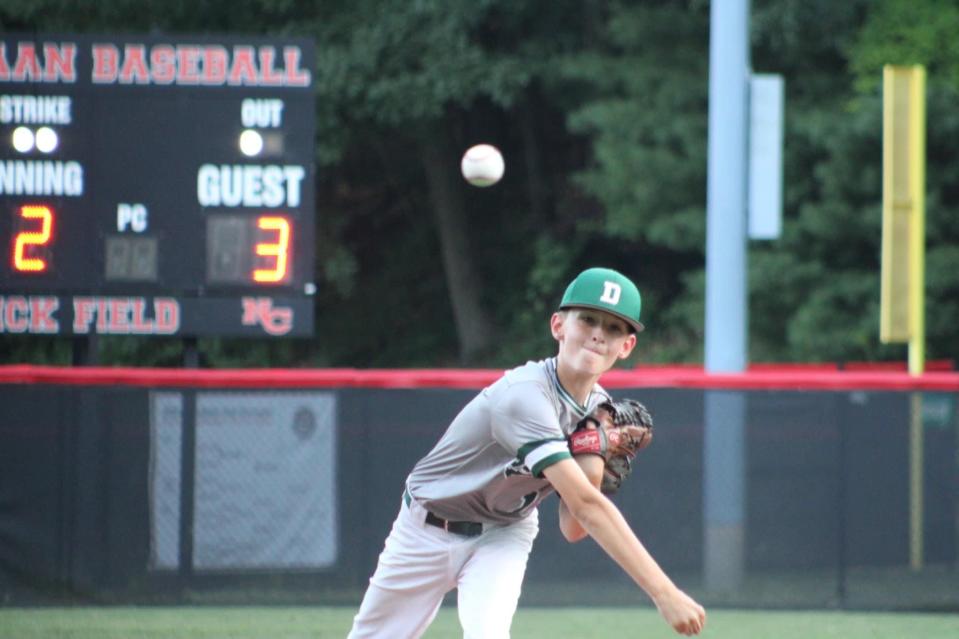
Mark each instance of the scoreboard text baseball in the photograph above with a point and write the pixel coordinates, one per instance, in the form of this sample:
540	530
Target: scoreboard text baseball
156	185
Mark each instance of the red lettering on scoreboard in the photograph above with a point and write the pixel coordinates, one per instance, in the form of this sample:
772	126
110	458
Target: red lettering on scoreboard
41	315
188	62
193	64
163	60
135	65
275	320
16	318
57	64
125	316
35	314
161	64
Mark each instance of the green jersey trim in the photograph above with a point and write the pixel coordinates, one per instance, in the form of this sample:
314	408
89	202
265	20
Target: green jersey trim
580	410
526	449
548	461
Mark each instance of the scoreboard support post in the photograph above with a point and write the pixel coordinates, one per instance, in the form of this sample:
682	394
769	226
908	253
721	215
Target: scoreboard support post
86	350
191	353
187	488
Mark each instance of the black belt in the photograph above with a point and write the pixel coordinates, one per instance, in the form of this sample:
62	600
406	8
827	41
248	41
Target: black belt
464	528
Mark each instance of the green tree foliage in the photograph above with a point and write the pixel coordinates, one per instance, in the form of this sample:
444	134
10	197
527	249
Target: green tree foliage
923	32
908	32
403	93
644	110
815	292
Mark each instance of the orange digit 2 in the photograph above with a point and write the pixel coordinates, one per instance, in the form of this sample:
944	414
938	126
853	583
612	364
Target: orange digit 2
21	261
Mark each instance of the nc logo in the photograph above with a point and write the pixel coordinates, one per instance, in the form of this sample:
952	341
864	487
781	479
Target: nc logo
611	293
275	320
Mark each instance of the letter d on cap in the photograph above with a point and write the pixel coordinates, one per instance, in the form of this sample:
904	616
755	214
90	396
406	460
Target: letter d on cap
611	293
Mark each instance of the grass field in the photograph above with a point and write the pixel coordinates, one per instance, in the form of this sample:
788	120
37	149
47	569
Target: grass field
530	623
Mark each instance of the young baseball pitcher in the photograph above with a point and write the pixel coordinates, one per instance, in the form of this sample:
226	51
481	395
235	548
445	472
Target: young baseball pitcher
468	515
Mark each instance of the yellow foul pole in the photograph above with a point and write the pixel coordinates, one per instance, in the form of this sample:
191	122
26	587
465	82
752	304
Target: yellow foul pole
902	309
917	235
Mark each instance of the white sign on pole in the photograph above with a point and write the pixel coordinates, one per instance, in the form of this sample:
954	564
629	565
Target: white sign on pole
765	156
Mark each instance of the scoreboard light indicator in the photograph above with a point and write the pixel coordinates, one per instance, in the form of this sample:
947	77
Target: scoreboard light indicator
276	250
251	143
22	139
46	140
27	244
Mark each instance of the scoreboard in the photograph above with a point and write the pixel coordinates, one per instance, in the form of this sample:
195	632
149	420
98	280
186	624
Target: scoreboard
156	185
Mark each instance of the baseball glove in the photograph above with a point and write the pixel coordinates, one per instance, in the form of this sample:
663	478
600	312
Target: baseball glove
615	472
615	431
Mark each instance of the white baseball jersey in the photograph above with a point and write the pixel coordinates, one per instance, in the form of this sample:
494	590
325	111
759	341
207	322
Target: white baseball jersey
488	465
487	468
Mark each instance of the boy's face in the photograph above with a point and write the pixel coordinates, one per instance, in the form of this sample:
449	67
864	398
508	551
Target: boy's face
590	340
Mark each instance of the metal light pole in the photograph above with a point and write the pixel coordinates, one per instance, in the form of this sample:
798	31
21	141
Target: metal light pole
724	493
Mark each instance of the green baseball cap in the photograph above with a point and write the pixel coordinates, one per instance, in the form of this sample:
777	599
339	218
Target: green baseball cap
606	290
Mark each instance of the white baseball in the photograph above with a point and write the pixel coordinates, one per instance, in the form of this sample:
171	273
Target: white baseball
482	165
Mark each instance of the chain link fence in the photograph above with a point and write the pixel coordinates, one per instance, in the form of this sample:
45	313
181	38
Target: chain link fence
116	493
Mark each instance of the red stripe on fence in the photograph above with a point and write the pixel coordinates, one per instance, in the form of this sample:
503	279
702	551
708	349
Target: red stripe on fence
762	378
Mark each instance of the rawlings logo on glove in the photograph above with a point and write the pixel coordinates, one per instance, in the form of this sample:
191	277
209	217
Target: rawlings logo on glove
615	431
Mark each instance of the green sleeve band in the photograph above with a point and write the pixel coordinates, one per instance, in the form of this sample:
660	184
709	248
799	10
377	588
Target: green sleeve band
546	462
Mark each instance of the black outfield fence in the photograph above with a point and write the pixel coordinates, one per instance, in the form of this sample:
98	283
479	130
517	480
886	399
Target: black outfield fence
833	489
